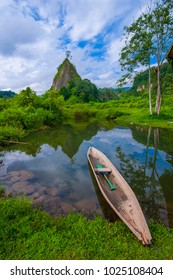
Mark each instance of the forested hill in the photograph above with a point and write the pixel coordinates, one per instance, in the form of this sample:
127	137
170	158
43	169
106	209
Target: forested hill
66	72
5	93
74	89
140	82
68	83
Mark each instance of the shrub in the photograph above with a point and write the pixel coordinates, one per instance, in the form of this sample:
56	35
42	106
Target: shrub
11	133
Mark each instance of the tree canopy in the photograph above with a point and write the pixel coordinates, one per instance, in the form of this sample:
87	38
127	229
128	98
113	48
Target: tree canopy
147	41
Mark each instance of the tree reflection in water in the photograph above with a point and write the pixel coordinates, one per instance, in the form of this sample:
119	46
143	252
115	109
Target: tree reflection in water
155	198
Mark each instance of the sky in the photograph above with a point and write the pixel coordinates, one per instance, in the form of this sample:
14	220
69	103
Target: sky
34	35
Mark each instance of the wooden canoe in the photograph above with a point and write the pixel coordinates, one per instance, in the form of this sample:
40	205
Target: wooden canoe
122	200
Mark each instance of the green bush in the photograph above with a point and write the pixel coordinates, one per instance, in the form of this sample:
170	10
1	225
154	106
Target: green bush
110	114
11	133
12	117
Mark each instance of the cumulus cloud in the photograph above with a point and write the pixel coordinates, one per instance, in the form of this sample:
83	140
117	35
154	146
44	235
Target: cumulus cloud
86	19
36	33
16	30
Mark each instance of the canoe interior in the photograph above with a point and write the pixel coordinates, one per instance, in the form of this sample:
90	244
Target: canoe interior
122	200
116	199
107	210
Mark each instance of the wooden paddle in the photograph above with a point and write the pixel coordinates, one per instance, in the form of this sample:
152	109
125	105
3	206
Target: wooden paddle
106	178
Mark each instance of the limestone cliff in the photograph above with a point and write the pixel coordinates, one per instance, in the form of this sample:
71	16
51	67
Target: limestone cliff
66	72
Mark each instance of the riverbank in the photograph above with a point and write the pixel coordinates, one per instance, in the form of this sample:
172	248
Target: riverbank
18	122
28	234
127	110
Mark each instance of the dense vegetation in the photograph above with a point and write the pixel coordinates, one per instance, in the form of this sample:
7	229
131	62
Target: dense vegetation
6	93
27	111
140	82
70	85
148	38
28	233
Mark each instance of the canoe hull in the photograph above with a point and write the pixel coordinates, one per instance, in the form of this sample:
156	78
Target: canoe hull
122	200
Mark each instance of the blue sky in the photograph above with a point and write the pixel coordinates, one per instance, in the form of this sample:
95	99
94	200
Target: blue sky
36	33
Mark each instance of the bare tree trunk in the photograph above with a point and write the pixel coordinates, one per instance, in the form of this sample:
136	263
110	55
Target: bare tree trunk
149	91
159	96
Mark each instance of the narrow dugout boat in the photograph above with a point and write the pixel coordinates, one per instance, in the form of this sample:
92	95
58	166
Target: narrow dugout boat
119	195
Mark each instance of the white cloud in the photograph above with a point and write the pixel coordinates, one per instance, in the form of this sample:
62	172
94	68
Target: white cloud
35	34
17	30
11	157
86	19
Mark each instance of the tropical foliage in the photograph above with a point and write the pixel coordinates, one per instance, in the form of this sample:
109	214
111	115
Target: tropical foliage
149	38
27	111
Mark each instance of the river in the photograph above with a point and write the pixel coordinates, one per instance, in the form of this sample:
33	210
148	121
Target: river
51	168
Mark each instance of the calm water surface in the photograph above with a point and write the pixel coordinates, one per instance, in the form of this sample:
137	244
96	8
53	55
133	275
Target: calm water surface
52	168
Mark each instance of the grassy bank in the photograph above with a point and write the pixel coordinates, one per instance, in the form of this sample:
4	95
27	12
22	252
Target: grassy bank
17	122
28	233
127	110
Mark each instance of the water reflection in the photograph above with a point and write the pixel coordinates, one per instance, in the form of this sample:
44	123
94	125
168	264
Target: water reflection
69	137
53	169
145	175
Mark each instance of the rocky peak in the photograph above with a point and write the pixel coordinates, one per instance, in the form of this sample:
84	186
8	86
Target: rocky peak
66	72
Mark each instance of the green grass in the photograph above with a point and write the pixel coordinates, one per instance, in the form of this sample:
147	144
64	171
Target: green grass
28	233
16	121
128	109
